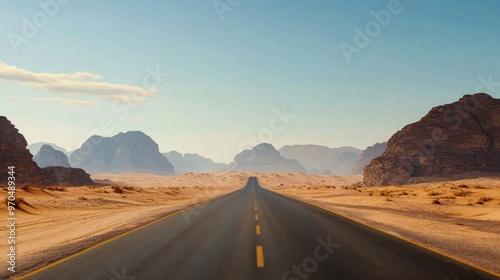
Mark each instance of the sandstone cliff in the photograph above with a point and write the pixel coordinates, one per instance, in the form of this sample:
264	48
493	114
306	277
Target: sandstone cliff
459	139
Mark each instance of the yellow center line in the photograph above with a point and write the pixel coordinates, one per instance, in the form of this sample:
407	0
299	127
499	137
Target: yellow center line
260	256
256	209
257	229
256	217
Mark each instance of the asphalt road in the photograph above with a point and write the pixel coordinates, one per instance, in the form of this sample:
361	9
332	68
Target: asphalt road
256	234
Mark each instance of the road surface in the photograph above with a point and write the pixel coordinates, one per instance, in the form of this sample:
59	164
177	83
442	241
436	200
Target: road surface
256	234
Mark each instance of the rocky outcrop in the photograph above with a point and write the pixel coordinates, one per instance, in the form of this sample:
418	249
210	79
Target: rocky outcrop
367	156
132	151
315	158
193	163
13	152
459	139
48	156
35	148
264	158
69	176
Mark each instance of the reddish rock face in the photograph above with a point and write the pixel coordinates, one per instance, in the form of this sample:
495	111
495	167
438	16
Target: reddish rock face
458	139
13	152
69	176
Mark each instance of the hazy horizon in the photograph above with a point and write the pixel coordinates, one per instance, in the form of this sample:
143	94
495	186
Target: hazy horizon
198	80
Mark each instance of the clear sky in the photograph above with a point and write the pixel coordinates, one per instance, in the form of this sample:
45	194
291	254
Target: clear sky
70	69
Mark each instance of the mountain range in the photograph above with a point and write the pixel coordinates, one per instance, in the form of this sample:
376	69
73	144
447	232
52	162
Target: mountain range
132	151
264	158
193	163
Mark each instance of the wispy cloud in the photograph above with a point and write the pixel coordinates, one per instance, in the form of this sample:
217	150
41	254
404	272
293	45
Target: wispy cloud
58	100
82	83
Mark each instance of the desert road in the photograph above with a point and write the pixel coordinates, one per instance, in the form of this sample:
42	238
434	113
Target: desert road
256	234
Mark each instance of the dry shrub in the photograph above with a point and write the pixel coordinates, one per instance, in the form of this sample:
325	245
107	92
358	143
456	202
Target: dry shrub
463	186
433	193
483	199
57	188
436	201
385	193
462	193
117	189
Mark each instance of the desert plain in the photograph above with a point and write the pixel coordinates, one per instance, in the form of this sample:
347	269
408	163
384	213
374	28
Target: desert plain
458	218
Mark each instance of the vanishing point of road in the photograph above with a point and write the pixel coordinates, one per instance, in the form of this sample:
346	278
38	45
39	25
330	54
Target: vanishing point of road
251	234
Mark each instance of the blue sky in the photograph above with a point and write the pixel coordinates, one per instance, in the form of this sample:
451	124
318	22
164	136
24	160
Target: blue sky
228	76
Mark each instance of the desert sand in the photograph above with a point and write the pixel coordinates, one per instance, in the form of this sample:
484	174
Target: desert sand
58	221
458	218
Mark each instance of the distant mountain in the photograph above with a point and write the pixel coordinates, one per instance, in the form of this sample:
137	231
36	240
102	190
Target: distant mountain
48	156
264	158
320	159
366	157
35	148
193	163
340	164
132	151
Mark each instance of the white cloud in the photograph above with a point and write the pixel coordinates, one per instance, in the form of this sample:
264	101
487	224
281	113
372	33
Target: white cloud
61	101
82	83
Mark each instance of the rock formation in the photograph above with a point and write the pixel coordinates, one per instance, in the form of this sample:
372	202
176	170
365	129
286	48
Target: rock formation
317	158
193	163
69	176
48	156
132	151
264	158
459	139
35	148
366	157
13	152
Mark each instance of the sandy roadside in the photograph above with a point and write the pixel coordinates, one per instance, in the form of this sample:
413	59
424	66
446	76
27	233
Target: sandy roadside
57	222
459	218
